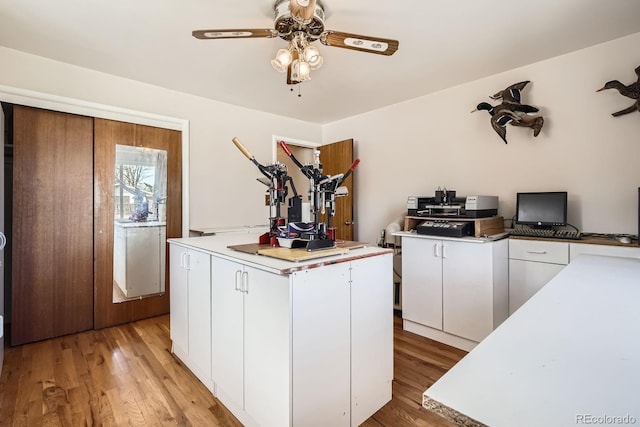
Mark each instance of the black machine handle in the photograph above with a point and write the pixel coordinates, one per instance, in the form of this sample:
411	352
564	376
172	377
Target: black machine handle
251	157
307	171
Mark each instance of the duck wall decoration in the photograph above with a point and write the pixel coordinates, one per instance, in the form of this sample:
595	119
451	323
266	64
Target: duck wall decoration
512	111
631	91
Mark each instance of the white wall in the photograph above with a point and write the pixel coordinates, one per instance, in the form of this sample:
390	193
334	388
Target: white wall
409	148
413	147
223	189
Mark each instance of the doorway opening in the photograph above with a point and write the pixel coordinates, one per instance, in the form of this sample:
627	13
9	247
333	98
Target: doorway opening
304	152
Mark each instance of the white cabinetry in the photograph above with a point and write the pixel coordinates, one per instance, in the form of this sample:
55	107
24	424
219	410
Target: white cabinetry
475	287
422	282
371	289
532	264
139	258
310	348
454	291
576	249
250	330
288	344
190	305
328	369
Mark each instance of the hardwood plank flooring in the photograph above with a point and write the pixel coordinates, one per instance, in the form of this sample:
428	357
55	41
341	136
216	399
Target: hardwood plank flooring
126	375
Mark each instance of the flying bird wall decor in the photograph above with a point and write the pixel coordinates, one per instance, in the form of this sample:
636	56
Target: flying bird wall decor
512	111
630	91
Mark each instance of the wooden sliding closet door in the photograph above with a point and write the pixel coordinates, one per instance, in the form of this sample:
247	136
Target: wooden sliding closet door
108	134
52	261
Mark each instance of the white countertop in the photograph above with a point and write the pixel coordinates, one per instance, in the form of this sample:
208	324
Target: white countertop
138	224
569	356
209	231
470	239
218	245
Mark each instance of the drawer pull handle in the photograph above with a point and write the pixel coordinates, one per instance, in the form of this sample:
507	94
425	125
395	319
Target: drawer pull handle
537	252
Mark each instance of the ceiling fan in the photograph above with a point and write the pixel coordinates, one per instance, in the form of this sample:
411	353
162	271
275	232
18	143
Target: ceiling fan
301	22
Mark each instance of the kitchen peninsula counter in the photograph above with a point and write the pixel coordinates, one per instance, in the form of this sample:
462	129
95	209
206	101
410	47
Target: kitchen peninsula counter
284	343
223	245
569	356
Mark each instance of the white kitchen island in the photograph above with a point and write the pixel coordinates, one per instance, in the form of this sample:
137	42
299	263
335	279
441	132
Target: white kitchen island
569	356
280	343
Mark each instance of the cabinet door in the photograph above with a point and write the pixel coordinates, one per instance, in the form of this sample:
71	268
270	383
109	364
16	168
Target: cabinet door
199	312
178	317
321	346
422	281
526	278
371	335
266	347
142	261
227	332
467	289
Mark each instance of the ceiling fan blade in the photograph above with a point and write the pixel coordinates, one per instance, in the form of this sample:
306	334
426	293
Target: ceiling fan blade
234	34
302	9
358	42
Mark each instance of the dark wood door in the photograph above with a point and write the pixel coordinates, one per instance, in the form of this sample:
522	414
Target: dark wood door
337	158
52	230
108	133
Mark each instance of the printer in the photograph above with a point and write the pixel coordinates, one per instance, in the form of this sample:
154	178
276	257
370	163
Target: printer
476	206
481	206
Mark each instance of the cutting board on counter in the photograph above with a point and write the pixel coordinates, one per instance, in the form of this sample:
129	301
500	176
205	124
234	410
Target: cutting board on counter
300	254
297	254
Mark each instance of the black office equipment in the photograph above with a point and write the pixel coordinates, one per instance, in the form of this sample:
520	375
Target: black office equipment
445	228
549	233
542	209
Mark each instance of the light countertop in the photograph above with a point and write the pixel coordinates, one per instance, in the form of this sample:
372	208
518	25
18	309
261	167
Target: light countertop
218	245
210	231
569	356
139	224
469	239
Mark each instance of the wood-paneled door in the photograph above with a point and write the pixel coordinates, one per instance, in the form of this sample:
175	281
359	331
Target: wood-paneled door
107	135
52	231
337	158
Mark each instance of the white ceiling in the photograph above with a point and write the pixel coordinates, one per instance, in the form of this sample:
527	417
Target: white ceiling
442	44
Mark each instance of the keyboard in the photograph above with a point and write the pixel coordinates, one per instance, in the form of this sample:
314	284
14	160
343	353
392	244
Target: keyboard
546	233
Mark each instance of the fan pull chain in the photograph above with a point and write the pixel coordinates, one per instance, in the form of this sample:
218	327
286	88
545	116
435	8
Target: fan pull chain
299	94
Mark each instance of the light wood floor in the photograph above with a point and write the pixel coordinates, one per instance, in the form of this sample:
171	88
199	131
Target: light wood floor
126	375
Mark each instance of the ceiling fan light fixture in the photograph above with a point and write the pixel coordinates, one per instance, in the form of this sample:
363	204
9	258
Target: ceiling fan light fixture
304	69
317	63
300	23
278	66
311	54
282	60
300	71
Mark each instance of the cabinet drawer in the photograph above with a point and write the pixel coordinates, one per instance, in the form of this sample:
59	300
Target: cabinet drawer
576	249
541	251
